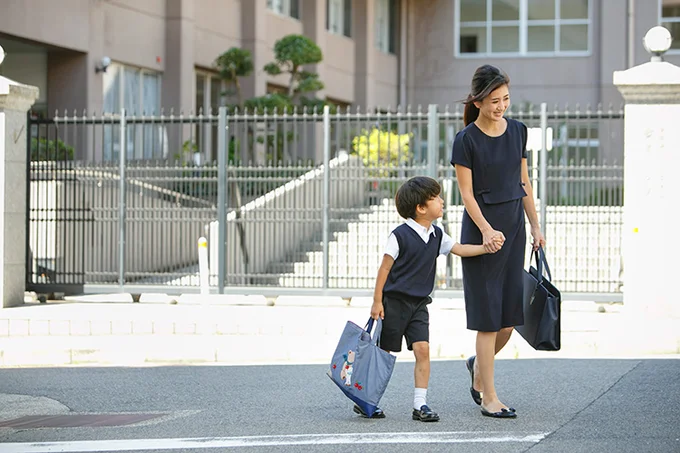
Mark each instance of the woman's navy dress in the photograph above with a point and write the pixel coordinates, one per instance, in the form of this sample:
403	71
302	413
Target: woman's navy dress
493	283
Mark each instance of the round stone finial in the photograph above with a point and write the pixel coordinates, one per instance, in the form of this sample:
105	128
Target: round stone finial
657	41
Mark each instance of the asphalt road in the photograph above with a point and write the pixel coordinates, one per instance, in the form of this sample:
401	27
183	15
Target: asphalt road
564	405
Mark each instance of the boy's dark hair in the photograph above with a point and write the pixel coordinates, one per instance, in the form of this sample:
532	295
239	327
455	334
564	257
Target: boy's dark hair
415	192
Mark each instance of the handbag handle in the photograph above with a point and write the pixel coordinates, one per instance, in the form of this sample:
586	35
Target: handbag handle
541	263
378	329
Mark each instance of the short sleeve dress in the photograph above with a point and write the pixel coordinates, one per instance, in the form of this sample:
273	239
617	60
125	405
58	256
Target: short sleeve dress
493	283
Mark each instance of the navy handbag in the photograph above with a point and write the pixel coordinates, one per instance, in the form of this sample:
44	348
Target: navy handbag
359	367
542	307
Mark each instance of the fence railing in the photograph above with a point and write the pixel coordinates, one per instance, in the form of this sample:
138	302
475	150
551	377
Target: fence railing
119	201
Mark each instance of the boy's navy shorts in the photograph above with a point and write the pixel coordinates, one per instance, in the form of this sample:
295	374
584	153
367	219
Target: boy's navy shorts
404	319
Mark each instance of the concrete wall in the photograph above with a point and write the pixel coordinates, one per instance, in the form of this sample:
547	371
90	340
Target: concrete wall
176	36
437	76
440	78
217	27
63	24
339	72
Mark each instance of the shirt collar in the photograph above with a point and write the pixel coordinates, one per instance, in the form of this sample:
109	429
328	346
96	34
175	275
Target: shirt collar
418	228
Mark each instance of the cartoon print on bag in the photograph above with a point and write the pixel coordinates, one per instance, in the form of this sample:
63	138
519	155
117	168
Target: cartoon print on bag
347	367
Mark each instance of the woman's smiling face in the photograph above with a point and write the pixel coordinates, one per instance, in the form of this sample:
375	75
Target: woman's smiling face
493	106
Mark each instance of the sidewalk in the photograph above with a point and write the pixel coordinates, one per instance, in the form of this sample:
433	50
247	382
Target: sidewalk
250	330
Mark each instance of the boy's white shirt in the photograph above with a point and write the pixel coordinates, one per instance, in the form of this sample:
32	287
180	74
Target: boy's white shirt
392	247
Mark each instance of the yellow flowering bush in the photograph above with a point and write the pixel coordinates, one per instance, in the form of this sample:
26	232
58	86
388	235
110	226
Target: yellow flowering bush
383	149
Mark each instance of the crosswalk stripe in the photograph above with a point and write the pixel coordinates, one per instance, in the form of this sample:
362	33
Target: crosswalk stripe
454	437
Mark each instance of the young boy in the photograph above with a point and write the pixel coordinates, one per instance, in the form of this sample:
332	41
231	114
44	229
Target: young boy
406	280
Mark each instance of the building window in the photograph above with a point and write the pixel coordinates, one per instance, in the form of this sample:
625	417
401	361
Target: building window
138	91
285	7
670	18
210	96
339	17
522	27
386	25
273	88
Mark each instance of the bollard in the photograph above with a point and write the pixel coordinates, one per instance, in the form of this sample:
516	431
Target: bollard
203	271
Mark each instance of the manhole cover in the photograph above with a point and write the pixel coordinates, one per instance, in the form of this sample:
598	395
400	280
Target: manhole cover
76	421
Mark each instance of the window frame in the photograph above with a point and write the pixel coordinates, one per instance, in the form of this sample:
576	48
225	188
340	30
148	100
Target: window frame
286	9
345	23
387	44
140	72
138	132
674	19
206	142
523	24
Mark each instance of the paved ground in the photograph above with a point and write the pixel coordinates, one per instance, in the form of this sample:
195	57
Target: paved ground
564	405
613	387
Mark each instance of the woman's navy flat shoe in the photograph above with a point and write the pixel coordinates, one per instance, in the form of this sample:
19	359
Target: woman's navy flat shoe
476	396
503	413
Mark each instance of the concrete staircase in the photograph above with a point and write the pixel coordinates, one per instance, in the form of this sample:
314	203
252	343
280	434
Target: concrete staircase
355	252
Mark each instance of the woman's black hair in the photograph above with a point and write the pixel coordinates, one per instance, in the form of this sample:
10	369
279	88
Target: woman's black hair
486	79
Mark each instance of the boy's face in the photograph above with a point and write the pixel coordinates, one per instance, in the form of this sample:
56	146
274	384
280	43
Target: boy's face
432	210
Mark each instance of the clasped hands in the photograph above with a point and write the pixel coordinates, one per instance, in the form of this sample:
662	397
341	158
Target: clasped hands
493	240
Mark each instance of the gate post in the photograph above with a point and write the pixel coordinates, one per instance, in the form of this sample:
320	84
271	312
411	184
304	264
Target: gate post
432	141
651	192
15	100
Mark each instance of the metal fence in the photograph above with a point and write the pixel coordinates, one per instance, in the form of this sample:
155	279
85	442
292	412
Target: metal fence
300	201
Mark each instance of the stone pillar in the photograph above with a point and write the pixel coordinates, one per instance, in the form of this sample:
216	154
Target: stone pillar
364	37
15	100
179	78
651	198
254	38
314	27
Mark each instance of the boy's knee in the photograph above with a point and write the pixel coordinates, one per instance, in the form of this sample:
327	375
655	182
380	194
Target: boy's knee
421	349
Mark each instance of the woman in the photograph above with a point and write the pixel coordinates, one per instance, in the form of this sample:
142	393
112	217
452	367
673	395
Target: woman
489	155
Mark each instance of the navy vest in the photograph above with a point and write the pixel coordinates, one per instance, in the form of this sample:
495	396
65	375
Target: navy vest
413	272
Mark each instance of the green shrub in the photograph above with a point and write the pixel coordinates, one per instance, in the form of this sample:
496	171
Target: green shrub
43	149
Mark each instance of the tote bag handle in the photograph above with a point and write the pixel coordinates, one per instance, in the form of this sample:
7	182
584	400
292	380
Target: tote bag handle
541	264
376	332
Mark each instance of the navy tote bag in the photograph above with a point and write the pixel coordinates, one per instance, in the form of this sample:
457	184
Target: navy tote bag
542	307
359	367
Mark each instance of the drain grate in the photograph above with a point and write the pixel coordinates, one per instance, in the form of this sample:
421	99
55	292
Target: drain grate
76	421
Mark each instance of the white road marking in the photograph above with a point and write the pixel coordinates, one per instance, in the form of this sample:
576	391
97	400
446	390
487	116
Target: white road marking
455	437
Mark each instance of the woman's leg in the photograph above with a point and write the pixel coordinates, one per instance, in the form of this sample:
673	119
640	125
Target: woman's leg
486	350
502	338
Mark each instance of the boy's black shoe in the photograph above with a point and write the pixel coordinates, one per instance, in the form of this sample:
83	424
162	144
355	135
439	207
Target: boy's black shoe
425	414
377	414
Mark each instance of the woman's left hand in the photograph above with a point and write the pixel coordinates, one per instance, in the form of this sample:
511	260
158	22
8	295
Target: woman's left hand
538	239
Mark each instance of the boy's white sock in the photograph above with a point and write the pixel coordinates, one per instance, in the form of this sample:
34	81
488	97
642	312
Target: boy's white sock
420	398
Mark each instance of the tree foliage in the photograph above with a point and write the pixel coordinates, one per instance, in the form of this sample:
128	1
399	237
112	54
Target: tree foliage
234	64
292	53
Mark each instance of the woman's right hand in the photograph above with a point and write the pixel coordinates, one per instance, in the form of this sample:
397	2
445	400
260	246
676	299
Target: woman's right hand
493	240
